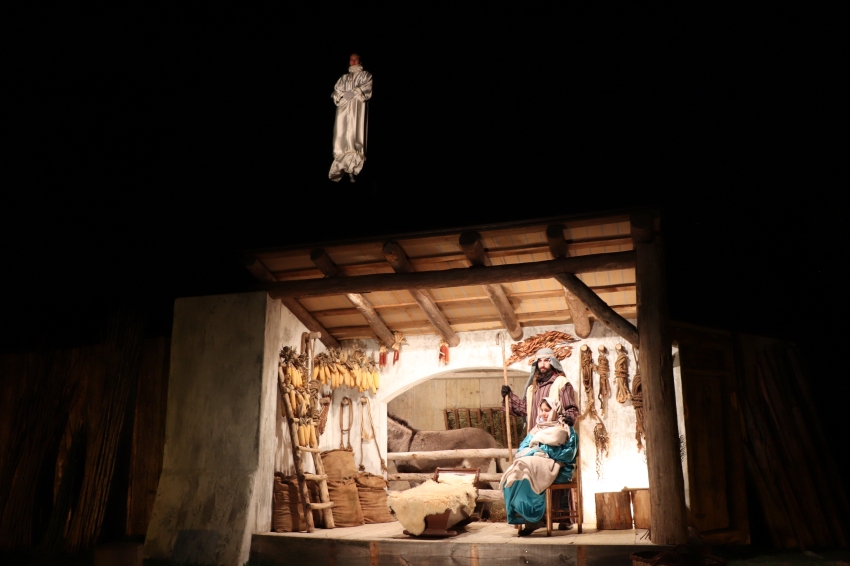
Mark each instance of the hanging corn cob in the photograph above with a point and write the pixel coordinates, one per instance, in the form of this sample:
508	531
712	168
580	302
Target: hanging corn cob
352	369
292	368
382	356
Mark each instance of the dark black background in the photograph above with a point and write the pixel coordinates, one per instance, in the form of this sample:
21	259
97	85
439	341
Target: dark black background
149	147
145	148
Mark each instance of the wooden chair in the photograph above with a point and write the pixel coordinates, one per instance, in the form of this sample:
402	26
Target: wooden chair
553	501
554	514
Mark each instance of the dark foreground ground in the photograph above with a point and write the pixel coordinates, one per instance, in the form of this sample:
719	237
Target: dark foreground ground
737	556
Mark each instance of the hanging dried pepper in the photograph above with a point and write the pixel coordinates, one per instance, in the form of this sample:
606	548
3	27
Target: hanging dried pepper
382	357
398	340
444	352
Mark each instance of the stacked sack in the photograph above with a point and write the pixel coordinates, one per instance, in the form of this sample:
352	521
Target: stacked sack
372	493
358	498
287	508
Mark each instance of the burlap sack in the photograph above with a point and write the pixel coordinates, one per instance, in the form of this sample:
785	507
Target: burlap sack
287	511
372	493
346	510
339	464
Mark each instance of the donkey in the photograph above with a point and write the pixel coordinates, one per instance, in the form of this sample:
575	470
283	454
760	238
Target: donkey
401	437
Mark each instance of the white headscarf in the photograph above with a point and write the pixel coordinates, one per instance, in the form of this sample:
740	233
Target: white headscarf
553	414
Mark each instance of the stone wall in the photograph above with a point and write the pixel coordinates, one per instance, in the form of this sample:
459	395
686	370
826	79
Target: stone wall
215	490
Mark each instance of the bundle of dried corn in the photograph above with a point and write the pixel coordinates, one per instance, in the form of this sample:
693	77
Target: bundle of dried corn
293	367
341	368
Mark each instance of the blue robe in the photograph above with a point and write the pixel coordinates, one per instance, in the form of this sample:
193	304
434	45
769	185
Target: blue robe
522	505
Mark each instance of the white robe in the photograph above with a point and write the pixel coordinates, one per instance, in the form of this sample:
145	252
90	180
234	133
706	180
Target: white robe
350	125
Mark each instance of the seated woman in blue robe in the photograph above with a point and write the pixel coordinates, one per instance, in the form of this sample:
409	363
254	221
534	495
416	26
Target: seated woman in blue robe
547	455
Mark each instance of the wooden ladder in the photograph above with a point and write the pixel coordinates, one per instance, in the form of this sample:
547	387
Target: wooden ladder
320	476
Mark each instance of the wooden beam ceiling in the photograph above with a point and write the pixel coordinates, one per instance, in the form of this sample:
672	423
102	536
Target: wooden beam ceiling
397	258
259	271
558	248
473	249
543	318
605	314
456	277
324	262
515	299
426	261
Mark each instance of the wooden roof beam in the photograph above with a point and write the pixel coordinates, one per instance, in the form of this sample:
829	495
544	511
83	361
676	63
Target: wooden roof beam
397	258
261	272
605	314
327	266
456	277
558	248
473	249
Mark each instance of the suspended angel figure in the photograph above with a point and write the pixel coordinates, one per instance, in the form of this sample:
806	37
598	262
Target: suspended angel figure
351	92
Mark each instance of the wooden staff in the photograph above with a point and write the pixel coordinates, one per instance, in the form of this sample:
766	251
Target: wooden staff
501	338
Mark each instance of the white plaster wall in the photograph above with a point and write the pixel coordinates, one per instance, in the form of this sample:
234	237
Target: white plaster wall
625	466
365	452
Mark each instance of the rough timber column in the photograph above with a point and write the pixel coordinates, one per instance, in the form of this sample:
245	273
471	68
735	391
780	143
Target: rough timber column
215	490
666	483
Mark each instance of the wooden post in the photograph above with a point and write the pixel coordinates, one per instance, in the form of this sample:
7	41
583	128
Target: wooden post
507	398
666	483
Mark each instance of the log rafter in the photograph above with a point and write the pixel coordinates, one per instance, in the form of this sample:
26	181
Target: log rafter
456	277
425	261
258	270
526	319
600	309
327	266
473	249
397	258
515	298
558	248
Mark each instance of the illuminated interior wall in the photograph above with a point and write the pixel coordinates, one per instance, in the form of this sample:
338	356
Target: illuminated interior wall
624	466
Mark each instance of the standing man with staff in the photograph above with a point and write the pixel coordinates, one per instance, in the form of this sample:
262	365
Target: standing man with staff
546	379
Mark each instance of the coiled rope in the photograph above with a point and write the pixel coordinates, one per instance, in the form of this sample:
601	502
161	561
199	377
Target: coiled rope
367	435
587	367
621	374
346	402
604	371
637	402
